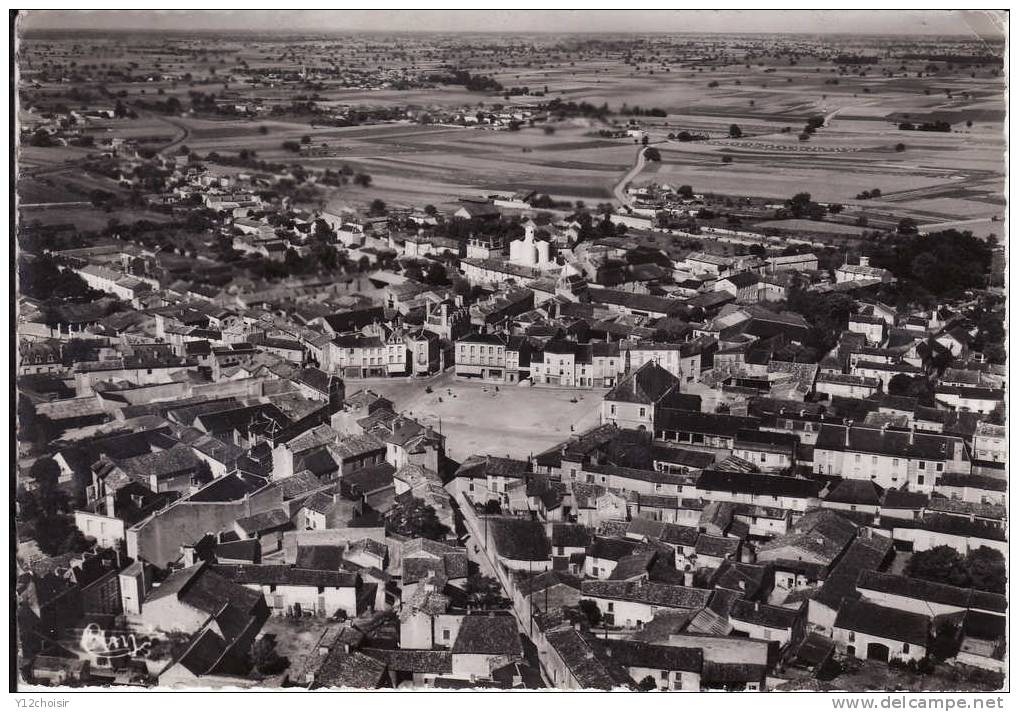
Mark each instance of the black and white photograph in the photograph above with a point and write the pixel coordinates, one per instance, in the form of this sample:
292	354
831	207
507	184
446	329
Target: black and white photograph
508	350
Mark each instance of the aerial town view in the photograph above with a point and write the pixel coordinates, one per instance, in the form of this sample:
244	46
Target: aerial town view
651	351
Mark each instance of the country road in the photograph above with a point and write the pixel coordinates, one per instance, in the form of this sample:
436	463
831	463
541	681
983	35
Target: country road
181	138
619	190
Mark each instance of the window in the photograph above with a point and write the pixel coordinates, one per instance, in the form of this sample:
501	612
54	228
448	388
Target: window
612	409
642	411
612	606
873	460
905	647
852	637
665	674
764	457
895	462
857	459
445	633
919	479
940	467
767	634
921	465
594	572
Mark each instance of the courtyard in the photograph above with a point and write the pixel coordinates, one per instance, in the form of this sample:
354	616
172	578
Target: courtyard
496	419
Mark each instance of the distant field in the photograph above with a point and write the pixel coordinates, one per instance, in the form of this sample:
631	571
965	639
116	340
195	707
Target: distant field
939	176
813	226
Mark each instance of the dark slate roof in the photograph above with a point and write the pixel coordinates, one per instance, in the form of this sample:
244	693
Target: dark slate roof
815	649
645	385
931	591
950	524
717	672
353	320
902	499
611	549
519	539
248	550
717	546
488	634
862	555
885	442
204	588
850	491
757	484
891	623
631	653
634	473
264	521
632	565
707	423
743	279
697	459
785	441
529	585
319	557
571	535
762	614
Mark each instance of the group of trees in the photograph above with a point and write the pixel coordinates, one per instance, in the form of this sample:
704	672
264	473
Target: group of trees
44	512
940	126
470	82
41	278
982	568
412	517
801	206
943	264
826	314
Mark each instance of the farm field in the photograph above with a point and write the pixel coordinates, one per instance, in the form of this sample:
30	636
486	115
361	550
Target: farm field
935	177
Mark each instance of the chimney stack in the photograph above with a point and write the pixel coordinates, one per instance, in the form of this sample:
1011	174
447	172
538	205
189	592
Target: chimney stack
849	428
864	261
912	433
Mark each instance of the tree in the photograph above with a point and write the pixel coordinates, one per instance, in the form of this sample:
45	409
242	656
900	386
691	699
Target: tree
431	210
436	274
591	611
900	147
986	569
263	129
902	384
942	564
411	517
305	139
907	226
377	208
685	192
648	684
735	131
652	154
363	179
264	658
945	641
485	592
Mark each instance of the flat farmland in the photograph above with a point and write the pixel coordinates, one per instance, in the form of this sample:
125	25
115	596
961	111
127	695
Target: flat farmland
444	162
